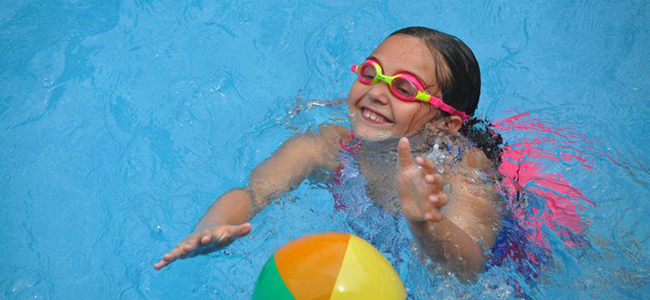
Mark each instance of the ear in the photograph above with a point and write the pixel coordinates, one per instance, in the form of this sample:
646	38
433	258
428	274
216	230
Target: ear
453	123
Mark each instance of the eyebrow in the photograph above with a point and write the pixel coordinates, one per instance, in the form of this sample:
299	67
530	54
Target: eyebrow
424	83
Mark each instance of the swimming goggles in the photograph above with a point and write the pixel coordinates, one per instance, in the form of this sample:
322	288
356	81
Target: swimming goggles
404	86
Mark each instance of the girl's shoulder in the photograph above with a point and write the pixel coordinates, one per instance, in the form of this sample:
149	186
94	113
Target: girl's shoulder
333	132
476	168
457	154
475	158
326	142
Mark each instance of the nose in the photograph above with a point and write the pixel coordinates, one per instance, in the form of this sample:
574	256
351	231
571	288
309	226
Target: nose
380	93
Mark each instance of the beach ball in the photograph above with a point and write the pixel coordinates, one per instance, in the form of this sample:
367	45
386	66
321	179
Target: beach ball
329	265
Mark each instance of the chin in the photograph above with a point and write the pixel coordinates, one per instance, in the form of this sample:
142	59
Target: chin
369	134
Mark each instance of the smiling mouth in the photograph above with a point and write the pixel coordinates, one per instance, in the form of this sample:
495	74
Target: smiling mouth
374	117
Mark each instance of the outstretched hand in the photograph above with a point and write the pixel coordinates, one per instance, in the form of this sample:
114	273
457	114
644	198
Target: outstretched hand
205	239
419	185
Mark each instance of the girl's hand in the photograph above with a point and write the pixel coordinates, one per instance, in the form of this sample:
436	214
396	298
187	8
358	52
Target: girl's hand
420	189
205	239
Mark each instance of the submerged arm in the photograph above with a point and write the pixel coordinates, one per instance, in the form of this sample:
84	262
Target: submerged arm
454	238
284	170
450	238
227	218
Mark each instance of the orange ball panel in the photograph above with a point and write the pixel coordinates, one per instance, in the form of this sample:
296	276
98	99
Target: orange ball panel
298	263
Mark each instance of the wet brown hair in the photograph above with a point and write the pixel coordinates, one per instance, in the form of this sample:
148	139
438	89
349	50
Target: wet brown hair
459	80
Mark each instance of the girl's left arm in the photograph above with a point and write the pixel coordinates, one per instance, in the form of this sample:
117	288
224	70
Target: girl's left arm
467	228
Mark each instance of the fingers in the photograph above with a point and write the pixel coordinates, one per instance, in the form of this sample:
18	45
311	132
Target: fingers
434	212
205	241
206	237
435	179
438	200
404	153
194	241
230	233
429	172
168	258
241	230
190	244
186	248
427	165
161	264
435	216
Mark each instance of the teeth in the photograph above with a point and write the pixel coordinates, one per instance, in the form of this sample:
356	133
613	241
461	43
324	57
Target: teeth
370	115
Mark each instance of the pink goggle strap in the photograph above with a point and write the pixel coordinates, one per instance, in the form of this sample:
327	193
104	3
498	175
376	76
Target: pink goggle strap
447	108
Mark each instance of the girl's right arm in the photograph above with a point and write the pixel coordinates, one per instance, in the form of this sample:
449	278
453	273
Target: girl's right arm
227	218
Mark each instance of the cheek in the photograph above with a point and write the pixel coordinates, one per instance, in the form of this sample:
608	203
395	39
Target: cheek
415	116
355	94
425	114
404	111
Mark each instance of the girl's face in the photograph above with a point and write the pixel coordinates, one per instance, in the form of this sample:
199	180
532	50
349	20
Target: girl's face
375	113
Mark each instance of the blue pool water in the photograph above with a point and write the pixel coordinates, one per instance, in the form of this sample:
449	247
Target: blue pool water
121	121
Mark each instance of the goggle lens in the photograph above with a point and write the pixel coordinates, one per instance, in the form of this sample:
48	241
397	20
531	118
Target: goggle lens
367	73
404	89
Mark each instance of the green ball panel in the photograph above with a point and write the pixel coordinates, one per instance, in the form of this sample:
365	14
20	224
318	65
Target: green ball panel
270	285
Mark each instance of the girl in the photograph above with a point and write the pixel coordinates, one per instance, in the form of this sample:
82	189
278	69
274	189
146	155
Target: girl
417	88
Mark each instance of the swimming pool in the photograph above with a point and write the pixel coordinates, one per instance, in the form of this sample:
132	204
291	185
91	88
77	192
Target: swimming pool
120	122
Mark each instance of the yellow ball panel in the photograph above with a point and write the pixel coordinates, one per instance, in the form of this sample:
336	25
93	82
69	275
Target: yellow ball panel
366	274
